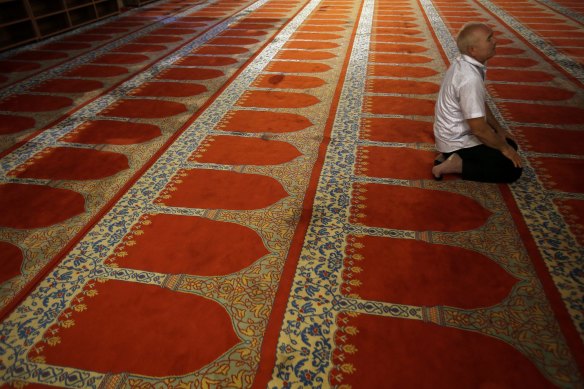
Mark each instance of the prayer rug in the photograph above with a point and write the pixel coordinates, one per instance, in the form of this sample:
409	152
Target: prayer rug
239	194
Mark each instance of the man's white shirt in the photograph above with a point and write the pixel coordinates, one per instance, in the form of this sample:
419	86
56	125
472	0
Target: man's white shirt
461	97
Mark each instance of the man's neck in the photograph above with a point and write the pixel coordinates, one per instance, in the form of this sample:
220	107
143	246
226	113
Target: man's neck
473	60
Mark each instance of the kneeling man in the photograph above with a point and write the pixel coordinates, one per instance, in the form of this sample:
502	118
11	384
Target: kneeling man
470	140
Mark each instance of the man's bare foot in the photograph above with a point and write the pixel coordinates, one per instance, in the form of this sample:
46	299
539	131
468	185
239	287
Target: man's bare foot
452	165
439	159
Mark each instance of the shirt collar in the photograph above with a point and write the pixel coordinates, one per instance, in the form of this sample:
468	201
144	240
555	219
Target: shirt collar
480	67
471	60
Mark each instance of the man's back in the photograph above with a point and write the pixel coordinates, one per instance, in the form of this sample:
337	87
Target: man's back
461	97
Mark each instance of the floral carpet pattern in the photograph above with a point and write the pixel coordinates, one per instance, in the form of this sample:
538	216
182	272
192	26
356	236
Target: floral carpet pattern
228	194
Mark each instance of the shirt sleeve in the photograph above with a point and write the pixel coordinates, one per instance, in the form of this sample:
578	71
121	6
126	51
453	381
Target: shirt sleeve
472	98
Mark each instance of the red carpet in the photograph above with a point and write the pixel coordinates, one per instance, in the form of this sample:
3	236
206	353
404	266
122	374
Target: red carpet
11	261
112	132
233	150
392	270
64	85
459	356
238	194
13	123
403	208
222	190
164	236
149	109
34	103
262	121
109	350
72	164
36	206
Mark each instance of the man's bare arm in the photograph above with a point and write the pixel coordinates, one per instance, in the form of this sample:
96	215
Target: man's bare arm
491	121
487	135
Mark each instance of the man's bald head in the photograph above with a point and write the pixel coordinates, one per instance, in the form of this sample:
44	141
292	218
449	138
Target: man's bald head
468	37
477	41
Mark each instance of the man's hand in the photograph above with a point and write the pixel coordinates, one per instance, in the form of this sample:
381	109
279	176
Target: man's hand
510	153
491	138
